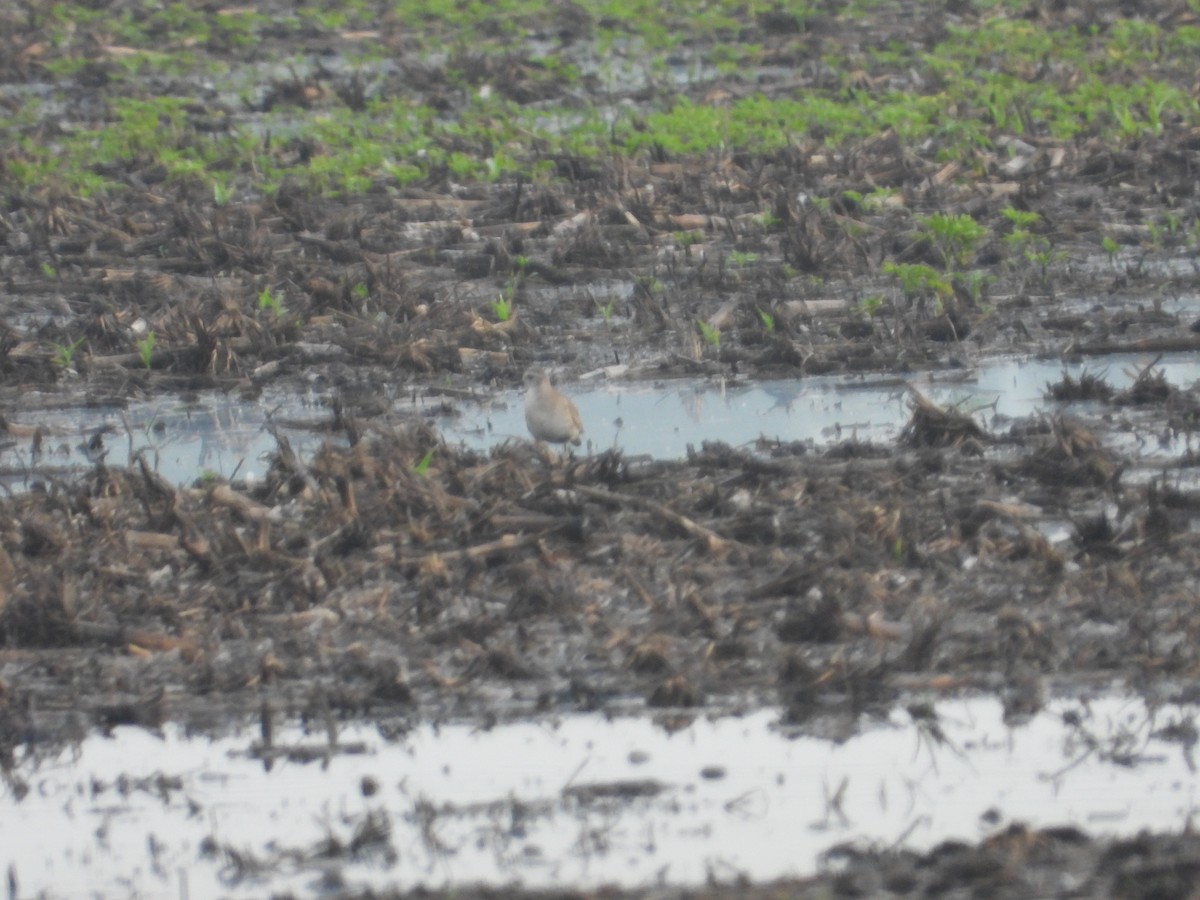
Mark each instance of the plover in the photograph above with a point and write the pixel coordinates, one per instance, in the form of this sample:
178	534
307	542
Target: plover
549	414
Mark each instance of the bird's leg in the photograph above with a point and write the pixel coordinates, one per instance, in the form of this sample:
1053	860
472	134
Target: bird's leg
549	457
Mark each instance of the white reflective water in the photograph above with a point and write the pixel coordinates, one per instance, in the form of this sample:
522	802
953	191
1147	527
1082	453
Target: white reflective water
183	440
219	434
662	419
532	803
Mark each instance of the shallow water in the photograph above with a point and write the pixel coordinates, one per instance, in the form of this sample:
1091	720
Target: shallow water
183	440
215	433
580	800
663	419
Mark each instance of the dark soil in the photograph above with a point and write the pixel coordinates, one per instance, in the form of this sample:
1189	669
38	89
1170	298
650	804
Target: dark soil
830	584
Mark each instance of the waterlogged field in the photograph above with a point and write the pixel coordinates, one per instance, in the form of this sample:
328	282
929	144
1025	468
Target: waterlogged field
882	318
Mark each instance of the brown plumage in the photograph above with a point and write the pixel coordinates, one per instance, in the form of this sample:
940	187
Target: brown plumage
549	414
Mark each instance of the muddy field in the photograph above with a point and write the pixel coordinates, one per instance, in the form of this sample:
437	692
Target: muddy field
395	578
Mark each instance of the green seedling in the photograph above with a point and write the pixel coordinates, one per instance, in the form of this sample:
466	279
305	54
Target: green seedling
919	281
1043	258
1156	235
872	304
360	291
767	319
49	271
145	348
1167	229
1126	80
954	236
422	465
878	199
607	312
504	305
741	259
1032	247
1021	239
1020	218
974	282
852	228
1111	248
268	301
64	354
712	335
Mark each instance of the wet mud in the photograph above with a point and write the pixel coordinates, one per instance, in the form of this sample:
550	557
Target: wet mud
394	577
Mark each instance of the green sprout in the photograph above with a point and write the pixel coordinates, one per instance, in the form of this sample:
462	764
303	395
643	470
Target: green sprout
712	334
878	199
503	305
64	354
422	465
767	319
1020	218
1111	247
145	348
919	281
1021	238
267	300
955	236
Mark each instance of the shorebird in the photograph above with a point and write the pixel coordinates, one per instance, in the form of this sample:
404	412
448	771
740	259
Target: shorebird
549	414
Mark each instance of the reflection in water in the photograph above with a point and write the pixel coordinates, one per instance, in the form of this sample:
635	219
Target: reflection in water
662	420
183	441
222	435
579	800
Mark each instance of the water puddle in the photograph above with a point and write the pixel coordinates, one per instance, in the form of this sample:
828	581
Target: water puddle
662	420
219	434
582	801
182	440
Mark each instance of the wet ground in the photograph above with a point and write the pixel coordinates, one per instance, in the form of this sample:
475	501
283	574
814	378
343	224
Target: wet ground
592	800
852	510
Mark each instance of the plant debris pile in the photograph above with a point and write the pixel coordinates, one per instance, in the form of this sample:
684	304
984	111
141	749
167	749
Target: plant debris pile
367	582
156	242
365	201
